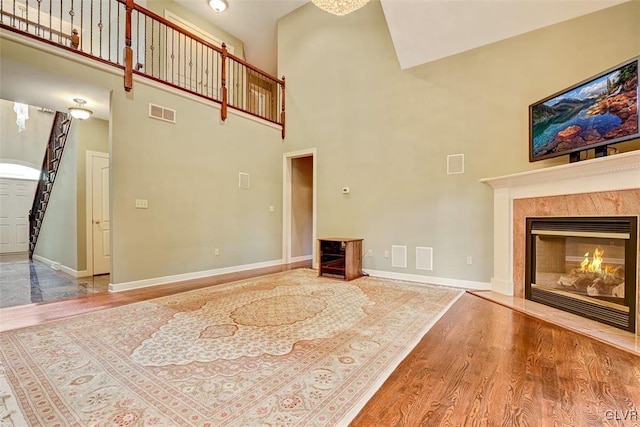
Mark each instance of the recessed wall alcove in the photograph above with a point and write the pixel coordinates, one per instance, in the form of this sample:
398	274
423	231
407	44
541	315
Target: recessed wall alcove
606	186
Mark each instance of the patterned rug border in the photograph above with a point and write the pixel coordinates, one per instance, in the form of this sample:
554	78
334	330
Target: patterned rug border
10	408
384	376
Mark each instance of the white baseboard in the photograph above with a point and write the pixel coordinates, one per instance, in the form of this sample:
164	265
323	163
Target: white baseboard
505	287
68	270
81	273
137	284
301	258
456	283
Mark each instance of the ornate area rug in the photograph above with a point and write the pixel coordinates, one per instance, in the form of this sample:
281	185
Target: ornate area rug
279	350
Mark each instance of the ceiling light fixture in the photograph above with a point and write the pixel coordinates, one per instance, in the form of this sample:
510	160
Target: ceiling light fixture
340	7
218	5
79	112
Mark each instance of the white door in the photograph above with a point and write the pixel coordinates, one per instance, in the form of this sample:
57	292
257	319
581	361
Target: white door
100	214
16	198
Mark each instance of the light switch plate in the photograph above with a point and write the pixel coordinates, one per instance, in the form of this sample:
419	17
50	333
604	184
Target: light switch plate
142	204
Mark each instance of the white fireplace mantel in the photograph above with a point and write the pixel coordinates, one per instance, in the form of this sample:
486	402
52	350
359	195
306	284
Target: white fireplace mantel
617	172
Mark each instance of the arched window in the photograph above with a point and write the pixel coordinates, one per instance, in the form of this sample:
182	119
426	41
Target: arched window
16	171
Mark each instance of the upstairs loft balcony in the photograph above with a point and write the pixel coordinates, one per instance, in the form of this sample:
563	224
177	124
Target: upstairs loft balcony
125	35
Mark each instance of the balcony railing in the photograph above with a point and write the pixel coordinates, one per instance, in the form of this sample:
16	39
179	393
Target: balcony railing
127	35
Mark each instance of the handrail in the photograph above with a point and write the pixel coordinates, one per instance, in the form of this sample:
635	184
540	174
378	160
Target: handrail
126	35
35	24
50	164
254	68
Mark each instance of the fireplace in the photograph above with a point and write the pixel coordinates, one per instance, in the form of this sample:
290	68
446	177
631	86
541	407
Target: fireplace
584	265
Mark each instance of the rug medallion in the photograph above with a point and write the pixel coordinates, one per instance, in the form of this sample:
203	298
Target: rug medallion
279	350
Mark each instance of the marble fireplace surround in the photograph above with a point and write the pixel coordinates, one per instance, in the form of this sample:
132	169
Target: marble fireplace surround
597	187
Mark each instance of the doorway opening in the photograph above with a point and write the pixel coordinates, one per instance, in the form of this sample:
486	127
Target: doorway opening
299	206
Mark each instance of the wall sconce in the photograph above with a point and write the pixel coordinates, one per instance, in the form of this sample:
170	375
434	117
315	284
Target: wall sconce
79	112
218	5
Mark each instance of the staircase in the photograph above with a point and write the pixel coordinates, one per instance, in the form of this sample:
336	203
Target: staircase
49	170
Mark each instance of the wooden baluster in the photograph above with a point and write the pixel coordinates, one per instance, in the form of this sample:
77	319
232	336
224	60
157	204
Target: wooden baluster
282	110
223	82
128	52
75	39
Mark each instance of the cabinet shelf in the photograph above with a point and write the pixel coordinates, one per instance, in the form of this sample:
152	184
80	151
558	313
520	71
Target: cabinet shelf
340	258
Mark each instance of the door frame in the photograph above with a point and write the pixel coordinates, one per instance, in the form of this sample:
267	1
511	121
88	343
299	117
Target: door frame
89	204
287	164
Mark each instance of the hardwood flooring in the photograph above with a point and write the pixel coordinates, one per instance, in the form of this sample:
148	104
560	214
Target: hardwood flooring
482	364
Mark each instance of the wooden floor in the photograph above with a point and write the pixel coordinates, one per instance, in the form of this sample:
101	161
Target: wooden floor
482	364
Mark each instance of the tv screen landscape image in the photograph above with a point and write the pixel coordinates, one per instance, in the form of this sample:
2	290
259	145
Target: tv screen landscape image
600	111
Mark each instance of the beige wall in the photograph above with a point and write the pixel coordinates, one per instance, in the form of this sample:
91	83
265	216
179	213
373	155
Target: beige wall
386	133
26	146
92	135
189	174
381	131
58	236
301	206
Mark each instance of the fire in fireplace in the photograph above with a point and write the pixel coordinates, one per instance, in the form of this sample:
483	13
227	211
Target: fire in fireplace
584	265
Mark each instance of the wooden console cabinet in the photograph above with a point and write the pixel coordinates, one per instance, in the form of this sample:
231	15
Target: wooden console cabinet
340	258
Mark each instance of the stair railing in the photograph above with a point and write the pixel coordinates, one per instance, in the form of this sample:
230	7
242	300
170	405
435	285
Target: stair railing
140	42
48	172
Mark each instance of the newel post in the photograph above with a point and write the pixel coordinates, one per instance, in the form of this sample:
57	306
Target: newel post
223	83
282	119
128	52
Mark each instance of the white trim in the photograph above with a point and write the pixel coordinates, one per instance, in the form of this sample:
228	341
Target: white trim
68	270
137	284
89	204
23	164
301	258
443	281
617	172
287	159
19	162
610	173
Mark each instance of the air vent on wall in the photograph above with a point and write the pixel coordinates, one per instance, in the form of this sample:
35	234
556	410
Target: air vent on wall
455	164
162	113
399	256
243	180
424	258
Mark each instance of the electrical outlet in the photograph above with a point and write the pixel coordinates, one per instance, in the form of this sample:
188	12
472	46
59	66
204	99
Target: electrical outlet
142	204
469	260
216	251
272	209
370	252
386	254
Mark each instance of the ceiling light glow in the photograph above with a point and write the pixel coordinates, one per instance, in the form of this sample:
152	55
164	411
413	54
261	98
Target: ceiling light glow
218	5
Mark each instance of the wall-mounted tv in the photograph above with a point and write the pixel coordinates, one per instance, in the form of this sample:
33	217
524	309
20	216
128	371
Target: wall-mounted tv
594	113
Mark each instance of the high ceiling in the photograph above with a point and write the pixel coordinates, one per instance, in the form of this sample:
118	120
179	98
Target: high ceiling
422	30
253	22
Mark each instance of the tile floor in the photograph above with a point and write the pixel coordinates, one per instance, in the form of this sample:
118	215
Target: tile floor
25	282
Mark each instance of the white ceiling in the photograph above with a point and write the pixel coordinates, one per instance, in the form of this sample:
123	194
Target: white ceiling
253	22
32	86
421	30
427	30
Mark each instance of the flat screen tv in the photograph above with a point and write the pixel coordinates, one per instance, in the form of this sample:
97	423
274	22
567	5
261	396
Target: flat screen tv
594	113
